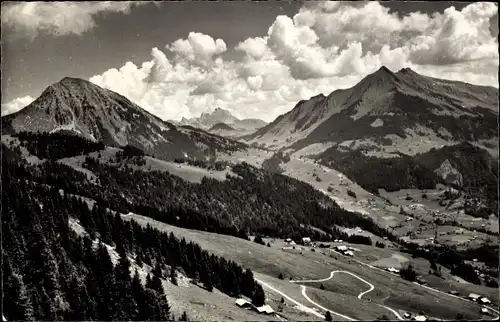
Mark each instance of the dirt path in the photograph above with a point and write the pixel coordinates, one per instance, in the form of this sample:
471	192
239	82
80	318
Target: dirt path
371	288
301	306
303	288
429	288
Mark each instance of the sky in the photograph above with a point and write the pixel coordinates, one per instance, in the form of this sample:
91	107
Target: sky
256	59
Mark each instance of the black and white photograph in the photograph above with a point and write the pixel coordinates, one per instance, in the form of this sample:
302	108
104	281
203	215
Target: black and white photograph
249	160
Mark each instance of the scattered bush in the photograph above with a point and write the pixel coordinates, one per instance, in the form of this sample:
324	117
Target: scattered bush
408	273
491	283
258	239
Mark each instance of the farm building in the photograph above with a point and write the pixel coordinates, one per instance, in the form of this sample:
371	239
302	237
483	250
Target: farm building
243	303
407	315
485	300
484	310
454	293
419	318
392	270
474	297
266	309
341	248
306	240
349	253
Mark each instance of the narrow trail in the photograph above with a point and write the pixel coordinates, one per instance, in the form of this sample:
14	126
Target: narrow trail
430	288
303	289
332	273
301	306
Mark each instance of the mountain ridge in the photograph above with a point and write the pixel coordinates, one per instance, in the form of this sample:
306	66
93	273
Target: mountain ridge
383	109
100	114
207	121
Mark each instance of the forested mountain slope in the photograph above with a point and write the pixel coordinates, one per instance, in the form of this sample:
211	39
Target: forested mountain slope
51	273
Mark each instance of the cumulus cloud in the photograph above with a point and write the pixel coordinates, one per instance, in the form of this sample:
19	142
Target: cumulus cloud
198	49
324	47
27	19
16	105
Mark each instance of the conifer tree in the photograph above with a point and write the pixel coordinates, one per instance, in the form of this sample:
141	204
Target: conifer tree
173	277
258	297
17	305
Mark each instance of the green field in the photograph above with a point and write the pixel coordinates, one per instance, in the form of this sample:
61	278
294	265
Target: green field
299	264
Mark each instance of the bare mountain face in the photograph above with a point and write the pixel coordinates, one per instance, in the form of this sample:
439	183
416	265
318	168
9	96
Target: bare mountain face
95	113
211	122
391	112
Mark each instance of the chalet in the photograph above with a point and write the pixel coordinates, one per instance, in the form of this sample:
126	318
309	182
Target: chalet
474	297
485	300
266	309
349	253
419	318
484	310
341	248
306	240
243	303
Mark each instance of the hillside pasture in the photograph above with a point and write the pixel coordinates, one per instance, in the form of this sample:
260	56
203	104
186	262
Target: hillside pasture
305	264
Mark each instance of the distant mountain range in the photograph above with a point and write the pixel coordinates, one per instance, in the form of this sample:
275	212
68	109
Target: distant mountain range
99	114
388	112
223	123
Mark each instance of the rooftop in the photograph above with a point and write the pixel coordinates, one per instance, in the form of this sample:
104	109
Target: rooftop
242	302
265	309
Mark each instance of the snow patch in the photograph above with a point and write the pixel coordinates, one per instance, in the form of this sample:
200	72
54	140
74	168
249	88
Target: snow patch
377	123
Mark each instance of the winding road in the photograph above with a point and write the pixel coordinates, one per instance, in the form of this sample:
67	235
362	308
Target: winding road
301	306
332	273
430	288
371	288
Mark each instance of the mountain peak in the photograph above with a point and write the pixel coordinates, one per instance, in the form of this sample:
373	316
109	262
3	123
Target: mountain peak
385	70
406	70
382	76
72	81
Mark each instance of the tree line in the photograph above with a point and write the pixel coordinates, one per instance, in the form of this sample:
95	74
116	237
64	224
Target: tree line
57	145
455	260
52	273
